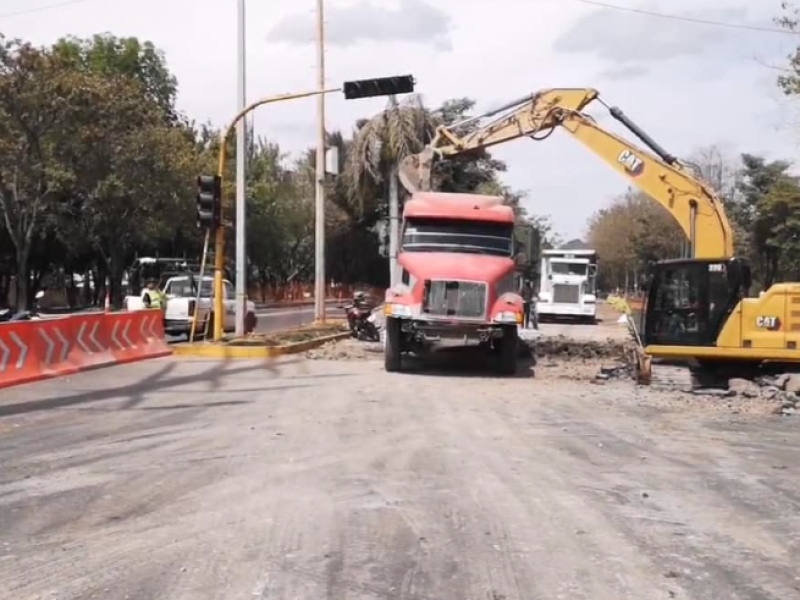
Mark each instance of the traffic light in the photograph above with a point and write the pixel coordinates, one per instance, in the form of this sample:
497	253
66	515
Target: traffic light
383	86
209	201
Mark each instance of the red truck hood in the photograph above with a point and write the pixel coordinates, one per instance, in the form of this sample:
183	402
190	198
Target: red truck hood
442	265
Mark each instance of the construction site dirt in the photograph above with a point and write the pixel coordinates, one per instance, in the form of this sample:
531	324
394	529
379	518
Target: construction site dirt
309	479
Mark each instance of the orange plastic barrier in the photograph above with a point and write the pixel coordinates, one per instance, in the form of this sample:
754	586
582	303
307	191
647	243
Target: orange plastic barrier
35	350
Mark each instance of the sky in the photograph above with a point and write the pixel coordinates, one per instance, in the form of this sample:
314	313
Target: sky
689	85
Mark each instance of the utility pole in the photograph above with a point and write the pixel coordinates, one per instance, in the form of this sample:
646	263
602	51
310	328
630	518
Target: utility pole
241	173
319	271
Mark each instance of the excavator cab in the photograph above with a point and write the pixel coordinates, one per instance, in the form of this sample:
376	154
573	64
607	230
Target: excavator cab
690	300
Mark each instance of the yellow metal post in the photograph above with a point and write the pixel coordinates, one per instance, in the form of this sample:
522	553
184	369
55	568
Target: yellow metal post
219	258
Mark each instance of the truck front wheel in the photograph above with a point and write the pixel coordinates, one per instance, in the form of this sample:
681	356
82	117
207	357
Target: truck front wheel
393	357
509	351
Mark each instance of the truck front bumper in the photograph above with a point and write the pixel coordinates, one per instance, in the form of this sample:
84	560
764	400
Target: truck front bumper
451	333
566	310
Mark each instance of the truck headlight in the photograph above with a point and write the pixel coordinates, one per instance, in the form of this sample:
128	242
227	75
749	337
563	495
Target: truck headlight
398	310
508	317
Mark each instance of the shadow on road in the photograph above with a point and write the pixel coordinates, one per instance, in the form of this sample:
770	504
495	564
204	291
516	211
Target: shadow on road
464	362
162	380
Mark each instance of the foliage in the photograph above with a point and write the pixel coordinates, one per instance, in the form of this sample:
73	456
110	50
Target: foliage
789	81
97	167
631	232
761	199
767	212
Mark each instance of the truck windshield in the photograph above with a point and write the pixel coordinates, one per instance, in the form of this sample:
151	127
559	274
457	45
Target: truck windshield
459	236
560	268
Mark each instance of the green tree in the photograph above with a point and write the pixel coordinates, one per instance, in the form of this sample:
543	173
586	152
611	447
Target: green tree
280	216
468	172
628	234
128	59
763	209
40	101
378	147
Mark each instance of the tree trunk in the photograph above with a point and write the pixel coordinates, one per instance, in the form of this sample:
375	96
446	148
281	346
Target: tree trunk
22	282
4	282
394	226
115	274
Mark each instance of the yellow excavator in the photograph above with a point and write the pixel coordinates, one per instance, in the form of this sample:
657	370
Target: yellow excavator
697	310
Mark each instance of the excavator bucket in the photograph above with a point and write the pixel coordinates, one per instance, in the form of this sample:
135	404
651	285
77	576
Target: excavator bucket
415	171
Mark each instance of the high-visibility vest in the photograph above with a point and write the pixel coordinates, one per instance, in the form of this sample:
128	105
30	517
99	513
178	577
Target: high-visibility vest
157	299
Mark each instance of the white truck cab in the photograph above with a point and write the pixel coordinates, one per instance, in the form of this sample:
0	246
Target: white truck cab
568	285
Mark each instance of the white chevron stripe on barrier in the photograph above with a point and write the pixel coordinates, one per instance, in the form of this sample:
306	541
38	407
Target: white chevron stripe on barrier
51	347
23	350
93	338
79	339
6	355
65	345
125	335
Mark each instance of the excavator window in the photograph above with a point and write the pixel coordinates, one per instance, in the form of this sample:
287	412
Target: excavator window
688	302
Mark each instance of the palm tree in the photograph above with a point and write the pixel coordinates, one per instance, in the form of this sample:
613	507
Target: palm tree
379	146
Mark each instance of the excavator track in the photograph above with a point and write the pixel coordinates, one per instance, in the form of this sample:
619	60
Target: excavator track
673	378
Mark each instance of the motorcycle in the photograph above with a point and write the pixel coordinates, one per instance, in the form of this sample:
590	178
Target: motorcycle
362	322
9	316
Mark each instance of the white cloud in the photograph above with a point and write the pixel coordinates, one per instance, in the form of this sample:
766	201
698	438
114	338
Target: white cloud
624	37
366	21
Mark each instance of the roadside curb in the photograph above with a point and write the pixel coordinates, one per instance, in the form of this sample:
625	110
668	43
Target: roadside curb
227	352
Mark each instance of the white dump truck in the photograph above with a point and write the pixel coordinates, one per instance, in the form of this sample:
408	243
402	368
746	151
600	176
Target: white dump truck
568	285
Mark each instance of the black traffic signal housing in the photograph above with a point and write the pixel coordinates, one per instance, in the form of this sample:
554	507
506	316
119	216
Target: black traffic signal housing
382	86
209	201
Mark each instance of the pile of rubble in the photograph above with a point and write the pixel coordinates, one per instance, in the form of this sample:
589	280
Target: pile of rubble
348	350
566	348
782	391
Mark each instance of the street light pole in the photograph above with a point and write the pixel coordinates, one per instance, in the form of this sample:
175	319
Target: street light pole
365	88
241	200
319	271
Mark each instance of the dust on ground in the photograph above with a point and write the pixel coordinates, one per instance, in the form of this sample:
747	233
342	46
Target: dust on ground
593	364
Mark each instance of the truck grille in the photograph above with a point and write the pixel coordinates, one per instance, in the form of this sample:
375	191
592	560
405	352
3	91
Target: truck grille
459	299
566	294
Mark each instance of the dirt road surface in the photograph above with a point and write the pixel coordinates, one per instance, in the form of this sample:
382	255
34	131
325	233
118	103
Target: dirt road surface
606	327
317	479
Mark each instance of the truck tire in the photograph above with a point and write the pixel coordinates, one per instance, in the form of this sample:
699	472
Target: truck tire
509	351
393	356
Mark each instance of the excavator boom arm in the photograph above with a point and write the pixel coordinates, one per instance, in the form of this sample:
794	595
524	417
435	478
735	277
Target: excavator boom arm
692	203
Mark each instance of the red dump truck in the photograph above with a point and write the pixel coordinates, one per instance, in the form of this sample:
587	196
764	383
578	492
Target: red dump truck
458	279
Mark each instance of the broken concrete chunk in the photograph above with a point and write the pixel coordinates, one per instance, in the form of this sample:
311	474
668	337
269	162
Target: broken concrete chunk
770	392
781	380
792	383
745	387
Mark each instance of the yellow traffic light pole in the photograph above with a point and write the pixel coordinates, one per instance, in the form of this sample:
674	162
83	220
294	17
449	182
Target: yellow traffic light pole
219	258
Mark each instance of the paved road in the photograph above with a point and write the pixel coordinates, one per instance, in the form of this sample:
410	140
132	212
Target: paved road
307	480
277	319
282	318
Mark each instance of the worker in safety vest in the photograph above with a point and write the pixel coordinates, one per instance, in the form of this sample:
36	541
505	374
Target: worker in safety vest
153	298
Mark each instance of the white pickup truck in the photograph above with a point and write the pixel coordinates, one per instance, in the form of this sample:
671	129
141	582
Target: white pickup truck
181	299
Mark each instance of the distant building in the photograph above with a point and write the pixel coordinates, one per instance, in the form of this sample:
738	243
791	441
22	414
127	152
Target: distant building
575	244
